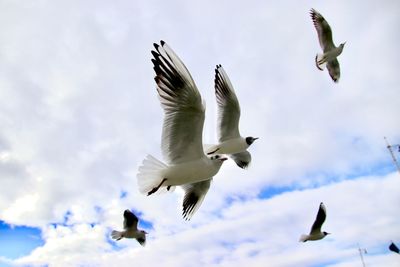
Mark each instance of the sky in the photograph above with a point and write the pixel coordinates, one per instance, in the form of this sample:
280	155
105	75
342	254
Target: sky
79	112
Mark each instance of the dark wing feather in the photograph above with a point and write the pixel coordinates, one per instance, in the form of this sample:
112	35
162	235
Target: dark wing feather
394	248
334	69
194	196
242	159
319	220
323	29
182	104
130	220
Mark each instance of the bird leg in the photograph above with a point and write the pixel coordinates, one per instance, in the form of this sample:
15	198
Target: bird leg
152	191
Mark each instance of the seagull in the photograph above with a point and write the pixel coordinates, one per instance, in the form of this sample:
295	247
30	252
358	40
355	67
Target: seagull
230	140
182	147
130	229
331	52
315	233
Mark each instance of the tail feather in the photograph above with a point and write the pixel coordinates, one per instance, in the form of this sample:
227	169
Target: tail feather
150	175
303	238
318	58
117	235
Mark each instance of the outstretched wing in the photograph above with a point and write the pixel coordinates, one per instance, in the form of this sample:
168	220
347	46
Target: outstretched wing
228	106
323	29
194	196
334	69
182	104
130	220
319	220
394	248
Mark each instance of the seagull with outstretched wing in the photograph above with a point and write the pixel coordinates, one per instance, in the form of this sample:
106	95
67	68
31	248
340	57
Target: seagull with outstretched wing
315	233
130	229
230	140
181	144
330	51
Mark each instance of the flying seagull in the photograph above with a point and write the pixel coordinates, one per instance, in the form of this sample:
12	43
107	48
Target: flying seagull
130	229
181	143
394	248
230	140
315	233
331	52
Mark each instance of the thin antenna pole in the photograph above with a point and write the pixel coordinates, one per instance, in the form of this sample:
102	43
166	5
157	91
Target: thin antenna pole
361	255
389	147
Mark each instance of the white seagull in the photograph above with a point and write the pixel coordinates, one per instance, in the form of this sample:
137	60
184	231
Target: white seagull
230	140
130	229
315	233
181	144
331	52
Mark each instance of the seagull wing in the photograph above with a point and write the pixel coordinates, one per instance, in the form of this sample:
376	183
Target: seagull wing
130	220
323	29
334	69
228	106
394	248
182	104
321	216
242	159
194	196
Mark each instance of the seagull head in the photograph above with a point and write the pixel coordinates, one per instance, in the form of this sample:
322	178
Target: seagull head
218	158
325	233
250	140
342	45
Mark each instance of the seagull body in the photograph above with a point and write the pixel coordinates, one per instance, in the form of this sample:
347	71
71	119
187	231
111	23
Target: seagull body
315	233
331	52
130	229
181	143
230	140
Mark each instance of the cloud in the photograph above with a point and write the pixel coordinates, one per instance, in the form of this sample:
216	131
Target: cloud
250	232
79	112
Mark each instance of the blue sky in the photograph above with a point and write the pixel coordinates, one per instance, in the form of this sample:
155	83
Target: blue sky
79	112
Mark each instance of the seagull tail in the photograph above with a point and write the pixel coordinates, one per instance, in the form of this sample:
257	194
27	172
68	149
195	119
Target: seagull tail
320	65
116	235
150	175
303	238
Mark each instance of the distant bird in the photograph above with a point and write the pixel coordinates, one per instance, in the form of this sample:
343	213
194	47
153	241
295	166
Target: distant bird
230	141
331	52
394	248
130	229
315	233
181	143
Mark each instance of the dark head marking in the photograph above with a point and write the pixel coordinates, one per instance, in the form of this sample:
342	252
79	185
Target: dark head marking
250	140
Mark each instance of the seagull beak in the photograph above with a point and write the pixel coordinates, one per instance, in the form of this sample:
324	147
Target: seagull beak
328	233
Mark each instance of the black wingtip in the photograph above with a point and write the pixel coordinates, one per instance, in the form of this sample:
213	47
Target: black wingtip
155	54
162	43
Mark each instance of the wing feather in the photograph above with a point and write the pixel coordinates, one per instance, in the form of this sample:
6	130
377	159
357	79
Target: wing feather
319	220
323	29
130	220
333	67
194	196
182	104
228	106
